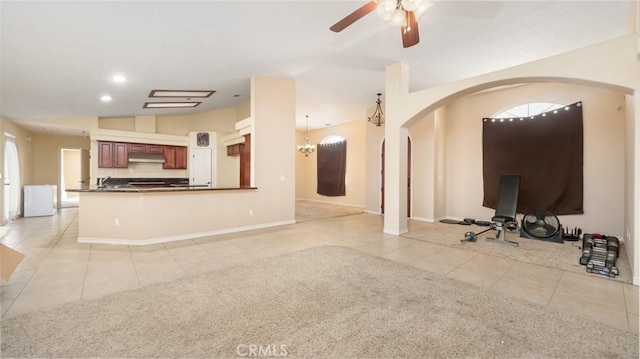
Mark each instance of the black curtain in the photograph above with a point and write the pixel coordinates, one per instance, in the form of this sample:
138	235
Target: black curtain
546	151
332	164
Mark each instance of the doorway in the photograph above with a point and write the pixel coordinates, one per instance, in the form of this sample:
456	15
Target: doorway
74	174
408	178
200	168
11	183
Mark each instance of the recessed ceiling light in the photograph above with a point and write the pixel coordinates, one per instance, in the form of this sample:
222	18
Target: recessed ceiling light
119	78
170	104
105	98
181	93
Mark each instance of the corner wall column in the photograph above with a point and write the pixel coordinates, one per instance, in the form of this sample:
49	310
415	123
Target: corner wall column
396	162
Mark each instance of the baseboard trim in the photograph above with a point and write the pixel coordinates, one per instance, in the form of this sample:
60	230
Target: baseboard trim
179	237
422	219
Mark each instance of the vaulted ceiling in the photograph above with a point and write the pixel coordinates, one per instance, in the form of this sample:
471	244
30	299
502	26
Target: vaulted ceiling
58	57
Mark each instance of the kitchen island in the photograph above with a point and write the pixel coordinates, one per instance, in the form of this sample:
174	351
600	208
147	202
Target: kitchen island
151	215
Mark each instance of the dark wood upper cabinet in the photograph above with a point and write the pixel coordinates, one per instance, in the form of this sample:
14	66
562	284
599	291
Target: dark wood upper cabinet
155	149
105	154
169	157
234	150
175	157
120	155
181	158
116	154
145	148
137	148
245	162
113	155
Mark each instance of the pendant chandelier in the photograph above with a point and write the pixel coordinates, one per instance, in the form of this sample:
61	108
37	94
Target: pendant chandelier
378	116
306	148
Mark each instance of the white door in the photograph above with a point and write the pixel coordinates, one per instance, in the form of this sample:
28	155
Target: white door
85	167
12	189
200	167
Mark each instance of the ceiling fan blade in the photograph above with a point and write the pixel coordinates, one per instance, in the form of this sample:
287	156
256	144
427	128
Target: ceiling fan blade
354	16
410	33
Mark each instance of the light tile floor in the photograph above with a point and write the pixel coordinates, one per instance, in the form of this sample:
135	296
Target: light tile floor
57	269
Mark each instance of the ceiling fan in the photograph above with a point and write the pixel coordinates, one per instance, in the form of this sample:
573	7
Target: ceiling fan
402	13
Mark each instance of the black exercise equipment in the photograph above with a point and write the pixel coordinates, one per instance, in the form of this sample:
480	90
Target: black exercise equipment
471	237
599	254
542	225
506	206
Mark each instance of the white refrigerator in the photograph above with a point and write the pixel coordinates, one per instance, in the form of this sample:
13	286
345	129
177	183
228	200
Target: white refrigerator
38	201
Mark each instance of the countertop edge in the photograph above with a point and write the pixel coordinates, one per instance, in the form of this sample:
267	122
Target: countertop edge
158	190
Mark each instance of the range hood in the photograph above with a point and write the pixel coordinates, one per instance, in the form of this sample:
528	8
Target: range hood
146	157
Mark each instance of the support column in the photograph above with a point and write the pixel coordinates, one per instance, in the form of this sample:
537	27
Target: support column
395	164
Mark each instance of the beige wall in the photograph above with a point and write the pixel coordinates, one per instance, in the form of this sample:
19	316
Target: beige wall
71	169
632	193
422	167
221	120
117	123
46	160
590	66
355	178
177	216
447	155
604	164
373	166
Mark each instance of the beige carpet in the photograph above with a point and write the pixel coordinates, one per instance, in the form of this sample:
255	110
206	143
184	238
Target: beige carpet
564	256
325	302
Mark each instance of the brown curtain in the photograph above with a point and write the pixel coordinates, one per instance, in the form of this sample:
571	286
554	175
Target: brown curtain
546	151
332	164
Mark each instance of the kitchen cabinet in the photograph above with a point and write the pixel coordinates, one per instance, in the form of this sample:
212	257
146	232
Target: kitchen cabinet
112	155
175	157
235	150
116	154
245	162
137	148
155	149
145	148
120	155
105	154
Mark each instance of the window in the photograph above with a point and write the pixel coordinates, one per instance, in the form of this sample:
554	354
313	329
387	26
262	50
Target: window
332	139
528	109
332	165
545	149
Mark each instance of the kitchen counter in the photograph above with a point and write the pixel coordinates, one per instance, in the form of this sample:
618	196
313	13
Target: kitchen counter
148	184
145	189
151	215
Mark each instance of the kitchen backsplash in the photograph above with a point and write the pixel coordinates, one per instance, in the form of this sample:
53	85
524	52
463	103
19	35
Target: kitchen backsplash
142	170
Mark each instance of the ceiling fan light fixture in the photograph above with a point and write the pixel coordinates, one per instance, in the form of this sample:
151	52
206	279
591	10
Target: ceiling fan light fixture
422	8
399	18
411	5
386	9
